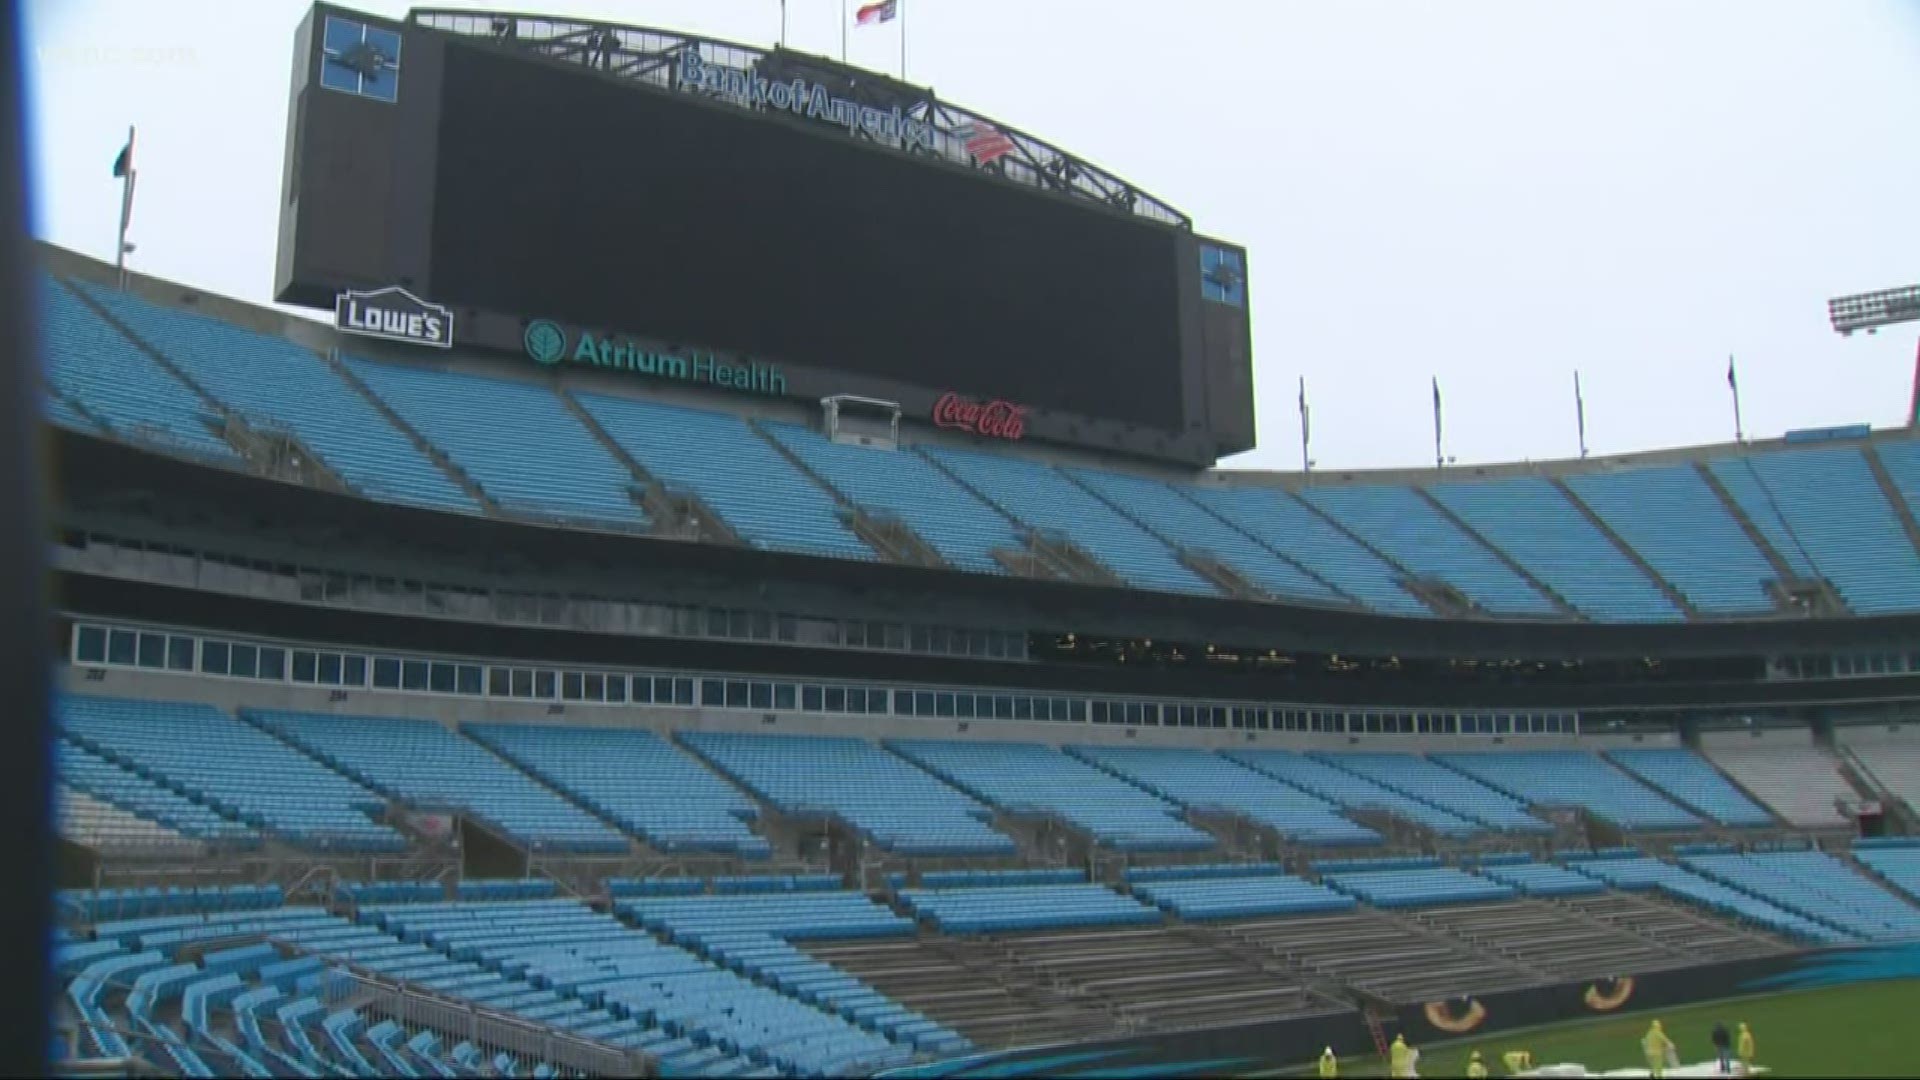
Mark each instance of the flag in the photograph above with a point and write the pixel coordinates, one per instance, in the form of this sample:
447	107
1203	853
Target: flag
876	13
123	164
984	141
1436	421
1580	413
1733	383
1305	424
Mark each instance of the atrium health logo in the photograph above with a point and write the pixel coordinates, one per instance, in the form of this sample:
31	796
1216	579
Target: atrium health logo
546	342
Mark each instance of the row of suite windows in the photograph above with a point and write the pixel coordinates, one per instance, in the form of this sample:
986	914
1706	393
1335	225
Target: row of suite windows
112	646
1848	665
630	617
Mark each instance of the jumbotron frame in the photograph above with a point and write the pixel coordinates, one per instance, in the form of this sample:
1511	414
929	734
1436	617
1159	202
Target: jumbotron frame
649	55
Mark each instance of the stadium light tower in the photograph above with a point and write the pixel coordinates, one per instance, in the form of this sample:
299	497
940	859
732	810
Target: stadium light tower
1870	312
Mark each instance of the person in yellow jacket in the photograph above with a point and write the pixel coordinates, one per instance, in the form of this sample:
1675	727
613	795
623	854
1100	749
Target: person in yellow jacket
1518	1061
1401	1057
1656	1046
1329	1065
1476	1069
1743	1046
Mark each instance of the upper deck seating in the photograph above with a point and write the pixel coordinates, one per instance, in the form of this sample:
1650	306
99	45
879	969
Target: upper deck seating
1826	508
1048	501
515	439
1183	522
761	496
1674	521
1282	523
904	485
1399	523
92	363
1530	520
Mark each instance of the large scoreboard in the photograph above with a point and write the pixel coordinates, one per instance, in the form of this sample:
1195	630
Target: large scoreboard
576	193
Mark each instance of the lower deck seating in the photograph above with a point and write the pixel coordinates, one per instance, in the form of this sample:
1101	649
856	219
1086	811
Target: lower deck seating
1819	887
1542	879
1027	907
1802	784
1241	898
1382	956
1898	867
1676	926
1550	939
1419	888
1678	881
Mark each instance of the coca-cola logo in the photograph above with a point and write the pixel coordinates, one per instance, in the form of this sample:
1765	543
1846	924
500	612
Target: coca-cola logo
995	419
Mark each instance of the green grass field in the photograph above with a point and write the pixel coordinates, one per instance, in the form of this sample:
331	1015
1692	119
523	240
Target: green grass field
1857	1030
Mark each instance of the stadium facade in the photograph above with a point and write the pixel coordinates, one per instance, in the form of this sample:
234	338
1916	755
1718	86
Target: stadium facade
602	656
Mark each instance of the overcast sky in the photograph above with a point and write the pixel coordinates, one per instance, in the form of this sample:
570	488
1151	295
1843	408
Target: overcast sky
1493	193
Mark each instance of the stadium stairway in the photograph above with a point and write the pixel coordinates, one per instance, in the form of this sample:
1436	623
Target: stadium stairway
1204	782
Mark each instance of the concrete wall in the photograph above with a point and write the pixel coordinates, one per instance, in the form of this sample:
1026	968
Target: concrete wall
1750	738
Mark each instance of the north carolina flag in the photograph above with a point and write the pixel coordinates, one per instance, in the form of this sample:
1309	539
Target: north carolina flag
875	13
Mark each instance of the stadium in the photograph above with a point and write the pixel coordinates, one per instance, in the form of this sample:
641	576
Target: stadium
643	631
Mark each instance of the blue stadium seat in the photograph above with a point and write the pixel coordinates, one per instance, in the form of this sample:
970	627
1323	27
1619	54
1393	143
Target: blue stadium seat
761	496
1572	778
1182	522
900	808
120	786
1818	886
92	363
1025	907
1286	525
1637	873
274	383
1542	879
1200	780
1242	898
1423	887
1049	502
1401	524
1415	776
1692	782
234	768
647	785
515	439
906	486
1353	791
1824	512
1030	778
1674	521
1530	520
425	765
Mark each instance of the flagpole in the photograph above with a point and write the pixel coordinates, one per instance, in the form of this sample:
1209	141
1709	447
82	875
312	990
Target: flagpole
901	7
1439	459
126	213
1306	458
1733	383
1580	413
843	31
783	23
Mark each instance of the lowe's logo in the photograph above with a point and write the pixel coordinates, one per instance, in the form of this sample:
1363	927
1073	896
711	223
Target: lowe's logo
395	314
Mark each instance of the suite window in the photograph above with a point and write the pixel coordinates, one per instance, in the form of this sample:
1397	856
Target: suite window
469	679
90	645
273	663
783	695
